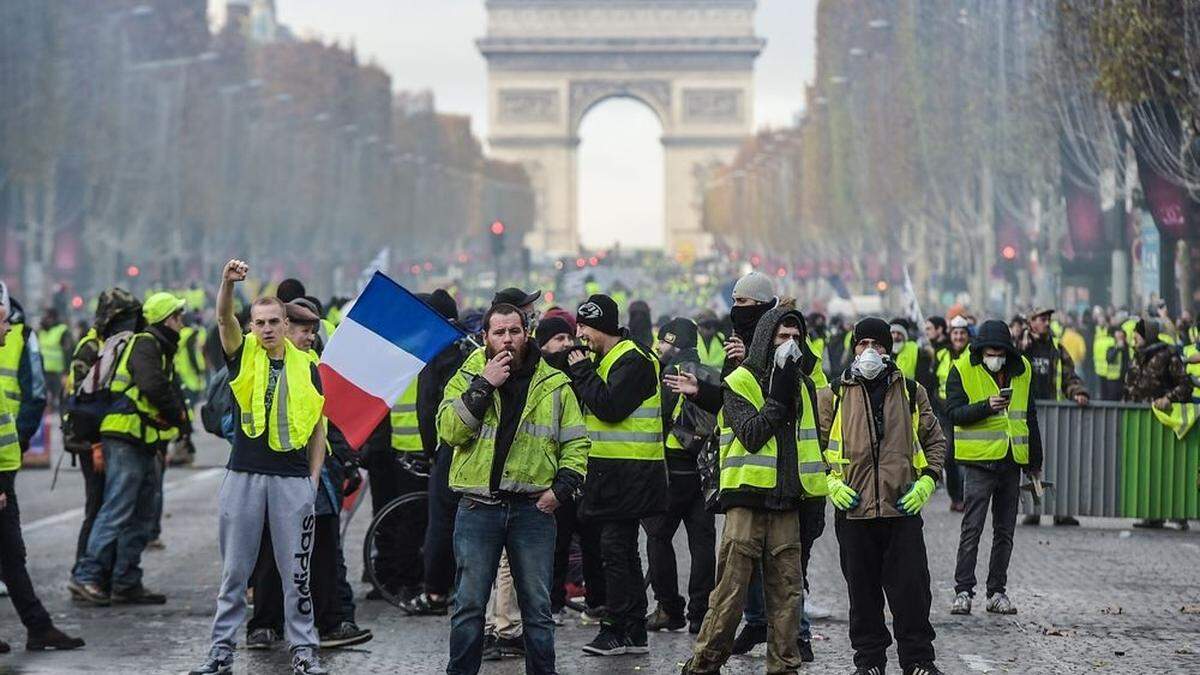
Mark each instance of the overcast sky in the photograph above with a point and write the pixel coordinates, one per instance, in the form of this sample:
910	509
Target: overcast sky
429	44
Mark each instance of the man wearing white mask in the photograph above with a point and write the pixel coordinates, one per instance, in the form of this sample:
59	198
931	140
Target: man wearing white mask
885	455
996	436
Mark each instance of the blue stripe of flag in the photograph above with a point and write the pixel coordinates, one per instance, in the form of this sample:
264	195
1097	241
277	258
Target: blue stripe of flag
393	313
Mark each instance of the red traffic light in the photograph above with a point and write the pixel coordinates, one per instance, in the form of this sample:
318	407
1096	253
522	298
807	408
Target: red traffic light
1009	252
132	271
497	228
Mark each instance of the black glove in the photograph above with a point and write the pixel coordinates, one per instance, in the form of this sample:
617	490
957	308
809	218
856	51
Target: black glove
784	384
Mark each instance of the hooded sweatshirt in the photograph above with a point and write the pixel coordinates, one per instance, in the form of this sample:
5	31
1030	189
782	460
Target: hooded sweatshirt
754	428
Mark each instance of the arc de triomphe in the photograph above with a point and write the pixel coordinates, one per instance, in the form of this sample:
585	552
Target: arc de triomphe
550	61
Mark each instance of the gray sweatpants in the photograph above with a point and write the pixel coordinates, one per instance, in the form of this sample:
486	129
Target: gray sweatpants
286	505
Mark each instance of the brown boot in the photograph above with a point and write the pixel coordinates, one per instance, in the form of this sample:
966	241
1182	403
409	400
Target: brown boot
51	638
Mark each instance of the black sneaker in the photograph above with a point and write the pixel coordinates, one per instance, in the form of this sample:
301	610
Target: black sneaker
661	620
138	596
218	662
609	642
926	668
262	638
491	648
748	639
806	652
1065	521
1031	519
423	605
307	663
593	616
872	670
4	648
51	639
347	634
511	648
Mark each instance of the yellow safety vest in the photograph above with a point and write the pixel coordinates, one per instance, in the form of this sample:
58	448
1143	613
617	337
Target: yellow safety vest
50	341
906	360
1193	369
1100	344
130	413
637	437
712	354
296	406
406	434
186	359
990	438
945	359
741	468
10	398
835	456
88	338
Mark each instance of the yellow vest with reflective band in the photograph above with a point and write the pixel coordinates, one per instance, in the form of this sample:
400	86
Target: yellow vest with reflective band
1193	369
989	439
945	359
296	406
550	435
835	457
50	340
88	338
817	375
742	468
672	442
185	360
1100	344
406	435
10	398
130	413
906	360
639	436
712	354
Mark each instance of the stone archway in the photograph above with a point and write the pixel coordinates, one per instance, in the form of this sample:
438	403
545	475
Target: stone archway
550	61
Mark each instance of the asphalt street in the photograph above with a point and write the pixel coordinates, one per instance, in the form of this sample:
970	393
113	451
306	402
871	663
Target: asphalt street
1099	598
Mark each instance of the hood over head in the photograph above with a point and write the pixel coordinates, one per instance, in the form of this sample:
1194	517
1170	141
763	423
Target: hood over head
760	355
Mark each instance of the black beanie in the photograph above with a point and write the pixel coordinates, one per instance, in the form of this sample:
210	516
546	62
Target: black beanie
876	329
599	312
444	303
679	332
290	289
548	327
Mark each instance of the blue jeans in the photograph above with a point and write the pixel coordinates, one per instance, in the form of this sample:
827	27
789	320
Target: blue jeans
756	610
481	531
126	520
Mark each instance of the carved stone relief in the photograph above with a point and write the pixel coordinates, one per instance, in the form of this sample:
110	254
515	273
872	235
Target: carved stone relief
712	105
528	105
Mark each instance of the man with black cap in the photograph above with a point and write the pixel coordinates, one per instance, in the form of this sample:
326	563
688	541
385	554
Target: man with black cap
627	477
1054	376
885	455
996	436
688	431
521	300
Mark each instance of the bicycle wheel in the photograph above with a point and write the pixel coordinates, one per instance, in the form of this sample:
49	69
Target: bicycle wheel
410	508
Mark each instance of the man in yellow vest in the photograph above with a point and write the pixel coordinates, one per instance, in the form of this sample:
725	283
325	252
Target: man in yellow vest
885	455
710	345
147	411
627	471
273	473
908	357
20	414
520	450
1054	377
54	340
689	430
945	358
770	460
996	437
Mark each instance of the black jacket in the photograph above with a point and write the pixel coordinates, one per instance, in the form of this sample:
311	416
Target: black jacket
961	412
754	428
619	489
693	422
431	384
157	381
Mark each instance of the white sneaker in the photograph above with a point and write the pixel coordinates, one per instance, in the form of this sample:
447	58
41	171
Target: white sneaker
816	612
962	603
558	617
1000	604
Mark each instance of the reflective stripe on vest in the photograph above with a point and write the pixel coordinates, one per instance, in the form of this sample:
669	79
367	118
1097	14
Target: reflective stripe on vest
10	447
296	406
406	432
990	438
640	435
50	341
130	411
1193	369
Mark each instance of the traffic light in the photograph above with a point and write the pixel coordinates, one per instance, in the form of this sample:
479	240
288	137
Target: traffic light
497	230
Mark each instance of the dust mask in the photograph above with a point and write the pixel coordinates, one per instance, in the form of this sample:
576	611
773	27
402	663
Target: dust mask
789	350
994	363
868	365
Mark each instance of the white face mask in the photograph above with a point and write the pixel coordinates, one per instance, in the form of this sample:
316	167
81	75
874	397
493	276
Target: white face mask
868	365
785	351
994	363
896	347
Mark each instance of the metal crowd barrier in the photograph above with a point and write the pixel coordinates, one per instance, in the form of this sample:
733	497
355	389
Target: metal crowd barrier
1115	460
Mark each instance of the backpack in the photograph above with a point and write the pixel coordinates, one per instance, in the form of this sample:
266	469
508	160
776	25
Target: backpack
218	404
86	407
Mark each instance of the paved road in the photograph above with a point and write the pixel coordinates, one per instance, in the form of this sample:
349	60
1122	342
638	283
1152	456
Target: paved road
1100	598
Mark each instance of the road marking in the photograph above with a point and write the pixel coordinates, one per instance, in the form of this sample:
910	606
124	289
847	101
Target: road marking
73	514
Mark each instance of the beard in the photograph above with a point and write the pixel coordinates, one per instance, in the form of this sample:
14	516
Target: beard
518	354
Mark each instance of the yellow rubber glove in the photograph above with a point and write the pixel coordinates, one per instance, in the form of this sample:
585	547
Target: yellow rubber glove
842	495
917	496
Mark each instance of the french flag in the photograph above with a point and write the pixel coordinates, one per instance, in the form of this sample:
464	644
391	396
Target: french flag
381	345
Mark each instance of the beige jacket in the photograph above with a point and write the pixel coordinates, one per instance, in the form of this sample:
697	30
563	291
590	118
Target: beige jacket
881	481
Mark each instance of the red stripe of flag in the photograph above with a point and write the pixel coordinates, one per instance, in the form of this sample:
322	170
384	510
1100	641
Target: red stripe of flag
355	412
